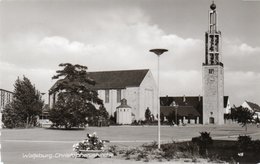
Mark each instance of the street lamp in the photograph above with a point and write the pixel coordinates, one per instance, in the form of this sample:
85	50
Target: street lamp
158	52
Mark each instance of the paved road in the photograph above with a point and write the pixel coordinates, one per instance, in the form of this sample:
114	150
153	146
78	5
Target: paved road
41	146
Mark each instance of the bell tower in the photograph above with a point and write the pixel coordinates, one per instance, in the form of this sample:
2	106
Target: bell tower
213	74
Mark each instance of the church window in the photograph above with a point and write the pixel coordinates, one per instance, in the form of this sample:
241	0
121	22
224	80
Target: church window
211	71
118	95
211	59
216	42
217	58
211	44
106	96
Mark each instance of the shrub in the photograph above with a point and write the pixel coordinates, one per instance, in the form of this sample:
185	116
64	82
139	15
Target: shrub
203	142
244	142
169	150
113	149
150	147
148	115
256	145
134	122
142	155
188	149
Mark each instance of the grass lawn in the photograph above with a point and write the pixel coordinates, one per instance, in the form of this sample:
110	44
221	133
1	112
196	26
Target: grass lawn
56	144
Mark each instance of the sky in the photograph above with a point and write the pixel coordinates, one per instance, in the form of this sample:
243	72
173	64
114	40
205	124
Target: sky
37	35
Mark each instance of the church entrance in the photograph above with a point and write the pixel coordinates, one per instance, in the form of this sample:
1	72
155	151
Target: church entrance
211	120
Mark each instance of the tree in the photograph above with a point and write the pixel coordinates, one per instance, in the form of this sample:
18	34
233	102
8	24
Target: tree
24	108
170	117
242	115
77	102
148	115
257	120
162	117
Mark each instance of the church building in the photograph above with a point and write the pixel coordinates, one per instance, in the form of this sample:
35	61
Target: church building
213	73
137	87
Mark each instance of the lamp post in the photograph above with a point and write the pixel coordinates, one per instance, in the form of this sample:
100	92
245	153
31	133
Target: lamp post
158	52
175	105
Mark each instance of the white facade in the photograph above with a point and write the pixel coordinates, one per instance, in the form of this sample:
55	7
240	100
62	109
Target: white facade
213	95
246	105
139	98
123	116
228	107
123	113
5	98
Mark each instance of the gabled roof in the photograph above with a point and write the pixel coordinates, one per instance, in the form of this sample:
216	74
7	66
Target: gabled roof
194	101
183	111
181	100
254	106
118	79
6	91
115	79
225	101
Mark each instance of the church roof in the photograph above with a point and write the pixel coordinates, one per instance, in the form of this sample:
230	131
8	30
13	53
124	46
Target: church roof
254	106
115	79
118	79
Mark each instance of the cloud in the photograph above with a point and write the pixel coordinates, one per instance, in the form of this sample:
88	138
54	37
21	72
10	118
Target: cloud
240	49
116	40
39	77
239	56
182	82
246	49
60	43
242	86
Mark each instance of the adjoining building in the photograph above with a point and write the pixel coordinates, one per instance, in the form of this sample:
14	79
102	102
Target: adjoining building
138	87
124	113
189	109
6	97
43	118
252	107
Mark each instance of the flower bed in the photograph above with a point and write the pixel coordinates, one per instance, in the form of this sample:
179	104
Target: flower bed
91	147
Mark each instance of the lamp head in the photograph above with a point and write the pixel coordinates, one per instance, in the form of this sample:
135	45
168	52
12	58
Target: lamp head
158	51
